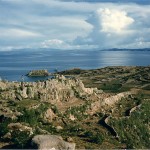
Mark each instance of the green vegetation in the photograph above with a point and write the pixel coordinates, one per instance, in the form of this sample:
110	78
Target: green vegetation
38	73
74	71
134	131
3	127
73	117
113	87
21	139
27	103
78	112
29	116
113	79
97	138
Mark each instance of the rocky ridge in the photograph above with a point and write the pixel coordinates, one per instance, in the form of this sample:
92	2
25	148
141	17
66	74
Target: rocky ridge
53	90
60	106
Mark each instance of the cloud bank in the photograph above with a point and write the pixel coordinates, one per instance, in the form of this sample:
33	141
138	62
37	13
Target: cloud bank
111	27
74	24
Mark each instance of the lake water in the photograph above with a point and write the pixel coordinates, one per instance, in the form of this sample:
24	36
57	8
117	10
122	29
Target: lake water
14	64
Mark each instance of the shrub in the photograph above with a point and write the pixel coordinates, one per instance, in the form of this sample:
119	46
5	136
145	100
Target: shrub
29	90
3	127
98	138
134	131
88	134
29	116
20	138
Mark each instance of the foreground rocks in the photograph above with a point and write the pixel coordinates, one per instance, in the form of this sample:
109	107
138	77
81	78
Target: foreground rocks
52	90
20	127
62	92
51	142
49	115
67	107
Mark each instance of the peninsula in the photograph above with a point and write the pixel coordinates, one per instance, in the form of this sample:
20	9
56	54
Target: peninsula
105	108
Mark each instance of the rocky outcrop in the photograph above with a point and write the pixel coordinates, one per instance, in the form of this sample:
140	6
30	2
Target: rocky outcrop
52	90
6	112
49	115
104	103
110	101
51	142
20	127
38	73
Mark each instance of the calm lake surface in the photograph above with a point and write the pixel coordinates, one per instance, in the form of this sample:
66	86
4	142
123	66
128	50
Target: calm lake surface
14	64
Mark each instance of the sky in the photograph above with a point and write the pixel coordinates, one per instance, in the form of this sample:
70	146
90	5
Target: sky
74	24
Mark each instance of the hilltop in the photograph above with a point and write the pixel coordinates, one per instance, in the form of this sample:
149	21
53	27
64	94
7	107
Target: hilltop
100	108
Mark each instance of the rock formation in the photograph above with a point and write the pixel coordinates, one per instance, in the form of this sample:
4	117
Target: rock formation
52	90
49	115
19	127
51	142
64	106
114	99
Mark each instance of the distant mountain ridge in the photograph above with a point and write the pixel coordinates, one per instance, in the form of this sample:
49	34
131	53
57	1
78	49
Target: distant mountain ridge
113	1
126	49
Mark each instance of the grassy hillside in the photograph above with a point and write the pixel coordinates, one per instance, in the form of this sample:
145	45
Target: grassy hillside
128	118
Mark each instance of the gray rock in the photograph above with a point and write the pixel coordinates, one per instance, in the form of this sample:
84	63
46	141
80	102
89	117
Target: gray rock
51	142
55	90
21	127
49	115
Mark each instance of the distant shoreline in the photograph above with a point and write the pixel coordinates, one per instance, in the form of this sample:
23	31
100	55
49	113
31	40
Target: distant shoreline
15	64
73	72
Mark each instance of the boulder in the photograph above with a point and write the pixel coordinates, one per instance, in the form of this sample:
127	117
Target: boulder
18	126
58	128
72	117
49	115
51	142
69	139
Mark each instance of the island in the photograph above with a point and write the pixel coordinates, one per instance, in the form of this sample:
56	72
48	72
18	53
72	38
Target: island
38	73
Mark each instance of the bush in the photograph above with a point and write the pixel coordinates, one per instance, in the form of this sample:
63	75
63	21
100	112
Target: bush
134	131
29	116
73	129
98	138
29	90
20	138
3	127
111	87
95	138
88	134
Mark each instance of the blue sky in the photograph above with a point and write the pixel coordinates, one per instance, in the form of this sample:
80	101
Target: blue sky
78	24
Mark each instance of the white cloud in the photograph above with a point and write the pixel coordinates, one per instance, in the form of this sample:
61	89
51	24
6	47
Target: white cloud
54	43
59	44
110	27
73	24
112	20
19	33
115	27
